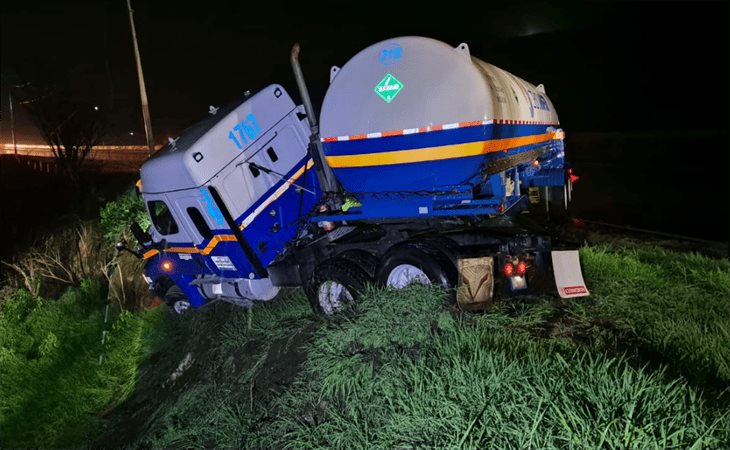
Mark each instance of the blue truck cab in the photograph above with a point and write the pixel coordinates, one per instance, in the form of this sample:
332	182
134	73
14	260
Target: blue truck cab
225	198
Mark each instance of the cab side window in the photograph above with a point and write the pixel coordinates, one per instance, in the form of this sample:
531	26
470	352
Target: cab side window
162	217
200	224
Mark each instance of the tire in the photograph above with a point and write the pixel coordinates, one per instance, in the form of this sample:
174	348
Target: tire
335	285
176	299
409	263
364	260
559	203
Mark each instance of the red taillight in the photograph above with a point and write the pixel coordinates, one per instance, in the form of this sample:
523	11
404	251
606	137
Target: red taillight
509	269
573	178
521	268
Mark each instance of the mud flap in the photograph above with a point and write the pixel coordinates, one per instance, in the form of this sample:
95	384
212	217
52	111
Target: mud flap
476	283
568	275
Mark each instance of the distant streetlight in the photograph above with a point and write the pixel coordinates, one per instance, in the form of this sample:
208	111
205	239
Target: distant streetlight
96	108
142	88
131	133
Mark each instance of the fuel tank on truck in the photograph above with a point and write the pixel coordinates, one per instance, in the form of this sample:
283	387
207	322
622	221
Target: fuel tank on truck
415	114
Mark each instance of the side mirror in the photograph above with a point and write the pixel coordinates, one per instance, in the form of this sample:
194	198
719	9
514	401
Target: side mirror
121	245
139	234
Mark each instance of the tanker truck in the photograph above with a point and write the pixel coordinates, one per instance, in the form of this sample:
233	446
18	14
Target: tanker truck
427	165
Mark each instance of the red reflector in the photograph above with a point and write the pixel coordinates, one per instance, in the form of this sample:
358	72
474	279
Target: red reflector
570	171
509	269
521	268
574	178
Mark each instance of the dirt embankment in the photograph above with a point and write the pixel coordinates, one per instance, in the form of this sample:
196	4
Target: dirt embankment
252	366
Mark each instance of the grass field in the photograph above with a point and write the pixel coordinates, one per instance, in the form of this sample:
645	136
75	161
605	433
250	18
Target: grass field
642	363
51	383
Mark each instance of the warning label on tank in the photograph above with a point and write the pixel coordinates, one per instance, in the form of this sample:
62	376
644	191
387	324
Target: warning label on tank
388	88
223	263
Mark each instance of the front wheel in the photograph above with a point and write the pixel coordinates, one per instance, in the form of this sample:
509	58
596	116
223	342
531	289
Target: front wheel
176	299
335	286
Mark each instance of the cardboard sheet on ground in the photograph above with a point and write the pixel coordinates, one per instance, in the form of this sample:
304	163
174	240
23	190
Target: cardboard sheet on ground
568	276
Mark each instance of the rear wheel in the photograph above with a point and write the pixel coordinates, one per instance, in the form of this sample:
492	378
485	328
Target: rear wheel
335	286
411	263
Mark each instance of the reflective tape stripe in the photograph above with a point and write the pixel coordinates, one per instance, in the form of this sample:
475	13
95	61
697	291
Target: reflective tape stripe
448	126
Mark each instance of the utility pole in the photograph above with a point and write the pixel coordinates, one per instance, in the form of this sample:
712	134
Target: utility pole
142	89
12	124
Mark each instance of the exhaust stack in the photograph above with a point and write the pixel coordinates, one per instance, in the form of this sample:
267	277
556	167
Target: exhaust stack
326	178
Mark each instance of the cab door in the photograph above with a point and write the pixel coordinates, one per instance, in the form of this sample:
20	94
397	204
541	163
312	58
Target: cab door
284	189
216	250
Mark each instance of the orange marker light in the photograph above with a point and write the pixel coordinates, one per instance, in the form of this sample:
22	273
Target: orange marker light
535	163
166	266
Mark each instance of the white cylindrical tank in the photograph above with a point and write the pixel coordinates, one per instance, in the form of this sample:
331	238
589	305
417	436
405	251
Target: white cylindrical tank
417	113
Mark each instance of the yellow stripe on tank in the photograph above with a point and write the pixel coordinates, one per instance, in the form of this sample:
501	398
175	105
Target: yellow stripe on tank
438	153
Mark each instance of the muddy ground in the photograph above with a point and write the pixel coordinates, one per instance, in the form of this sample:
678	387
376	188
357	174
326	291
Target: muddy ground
253	371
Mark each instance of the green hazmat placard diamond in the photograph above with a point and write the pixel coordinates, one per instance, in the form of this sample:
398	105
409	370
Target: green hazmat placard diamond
388	88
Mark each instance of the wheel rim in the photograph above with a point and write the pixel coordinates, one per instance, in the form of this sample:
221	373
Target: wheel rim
405	274
332	296
181	306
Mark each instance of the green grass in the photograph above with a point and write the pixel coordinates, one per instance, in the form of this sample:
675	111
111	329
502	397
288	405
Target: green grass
51	383
677	304
237	355
403	371
478	383
642	363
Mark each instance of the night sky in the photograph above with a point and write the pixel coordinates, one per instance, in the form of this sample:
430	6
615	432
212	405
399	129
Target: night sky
606	66
640	88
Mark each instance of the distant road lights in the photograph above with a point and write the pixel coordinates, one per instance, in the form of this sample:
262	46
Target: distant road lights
96	108
131	133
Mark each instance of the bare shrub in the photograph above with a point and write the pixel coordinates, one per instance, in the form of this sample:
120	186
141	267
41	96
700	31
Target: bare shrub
127	287
64	258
